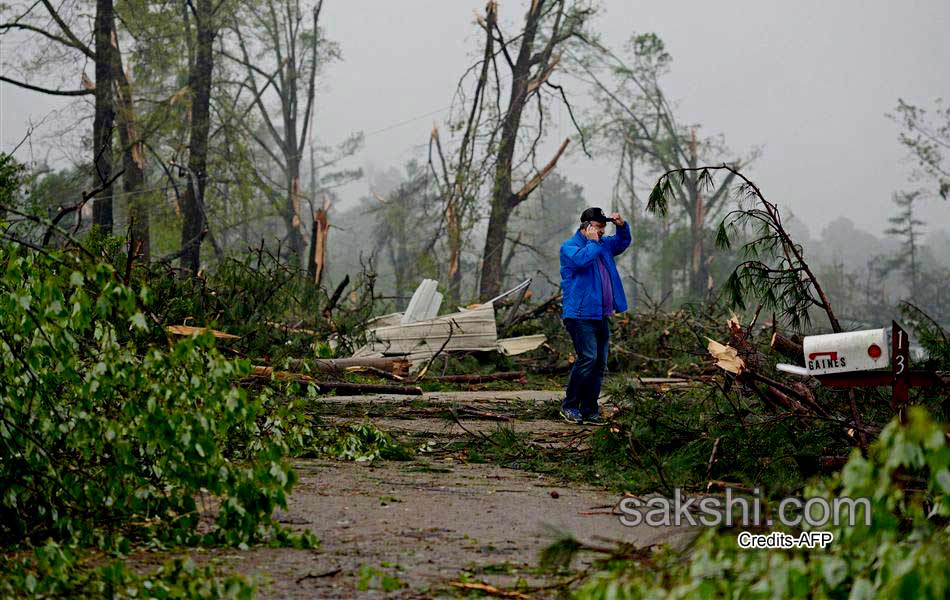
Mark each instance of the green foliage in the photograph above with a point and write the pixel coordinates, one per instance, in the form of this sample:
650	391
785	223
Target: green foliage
773	270
358	442
11	177
252	296
931	336
57	571
902	554
107	440
559	554
374	579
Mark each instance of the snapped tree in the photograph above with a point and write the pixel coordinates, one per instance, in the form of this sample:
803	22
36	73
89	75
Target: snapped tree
549	26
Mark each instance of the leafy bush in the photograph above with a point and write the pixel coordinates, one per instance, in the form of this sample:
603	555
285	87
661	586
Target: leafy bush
252	296
106	440
901	554
51	571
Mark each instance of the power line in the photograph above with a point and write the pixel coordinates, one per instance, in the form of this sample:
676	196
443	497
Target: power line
407	121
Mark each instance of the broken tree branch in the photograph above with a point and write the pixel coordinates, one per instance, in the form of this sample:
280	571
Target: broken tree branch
539	177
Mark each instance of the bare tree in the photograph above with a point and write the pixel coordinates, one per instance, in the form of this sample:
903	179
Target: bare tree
548	26
289	34
927	137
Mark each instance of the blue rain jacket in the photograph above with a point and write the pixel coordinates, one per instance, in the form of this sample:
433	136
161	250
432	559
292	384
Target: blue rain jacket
581	288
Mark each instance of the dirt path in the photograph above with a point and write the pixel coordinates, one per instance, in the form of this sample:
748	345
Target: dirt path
415	526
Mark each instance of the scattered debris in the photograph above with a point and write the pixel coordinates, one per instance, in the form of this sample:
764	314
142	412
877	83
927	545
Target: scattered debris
391	365
330	573
520	345
424	304
489	589
727	357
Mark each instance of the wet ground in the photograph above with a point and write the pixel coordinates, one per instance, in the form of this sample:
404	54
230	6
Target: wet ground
408	529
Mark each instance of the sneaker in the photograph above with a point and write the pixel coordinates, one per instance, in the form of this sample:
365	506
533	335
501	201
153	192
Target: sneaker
595	419
572	415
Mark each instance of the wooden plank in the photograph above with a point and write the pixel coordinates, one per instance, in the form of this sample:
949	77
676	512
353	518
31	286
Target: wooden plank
187	330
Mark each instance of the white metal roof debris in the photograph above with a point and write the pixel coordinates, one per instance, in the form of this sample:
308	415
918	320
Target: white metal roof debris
418	334
425	303
520	345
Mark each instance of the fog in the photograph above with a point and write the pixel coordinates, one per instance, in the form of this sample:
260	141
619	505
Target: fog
809	82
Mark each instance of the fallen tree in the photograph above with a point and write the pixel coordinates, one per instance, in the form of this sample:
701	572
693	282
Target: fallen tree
479	378
261	372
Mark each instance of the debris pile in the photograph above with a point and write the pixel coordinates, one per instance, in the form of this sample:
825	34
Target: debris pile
418	334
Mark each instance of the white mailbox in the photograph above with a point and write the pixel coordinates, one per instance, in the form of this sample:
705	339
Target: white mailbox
843	352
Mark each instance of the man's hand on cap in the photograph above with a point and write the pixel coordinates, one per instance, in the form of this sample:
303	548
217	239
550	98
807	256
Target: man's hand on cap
617	219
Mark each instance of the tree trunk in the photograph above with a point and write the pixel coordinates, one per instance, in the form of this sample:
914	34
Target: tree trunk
454	229
666	272
492	272
298	245
503	199
698	271
104	115
200	82
634	249
133	160
634	271
318	255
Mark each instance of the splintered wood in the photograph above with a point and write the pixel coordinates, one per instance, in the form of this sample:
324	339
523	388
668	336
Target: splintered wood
727	357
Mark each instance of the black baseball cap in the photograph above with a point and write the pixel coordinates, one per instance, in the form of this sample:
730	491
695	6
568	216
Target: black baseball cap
594	214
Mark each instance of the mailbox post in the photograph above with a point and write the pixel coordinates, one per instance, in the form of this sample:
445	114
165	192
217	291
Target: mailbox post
842	361
858	359
900	366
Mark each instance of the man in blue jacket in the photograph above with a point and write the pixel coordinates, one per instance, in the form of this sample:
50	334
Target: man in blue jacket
591	291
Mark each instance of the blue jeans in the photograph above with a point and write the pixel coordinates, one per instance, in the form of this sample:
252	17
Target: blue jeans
590	339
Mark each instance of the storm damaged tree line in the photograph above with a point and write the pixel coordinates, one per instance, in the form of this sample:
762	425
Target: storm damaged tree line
210	141
207	117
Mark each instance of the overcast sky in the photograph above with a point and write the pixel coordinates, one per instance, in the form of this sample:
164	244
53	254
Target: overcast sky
808	81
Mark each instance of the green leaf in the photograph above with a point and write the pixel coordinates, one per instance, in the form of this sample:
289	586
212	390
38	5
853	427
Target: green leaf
138	321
